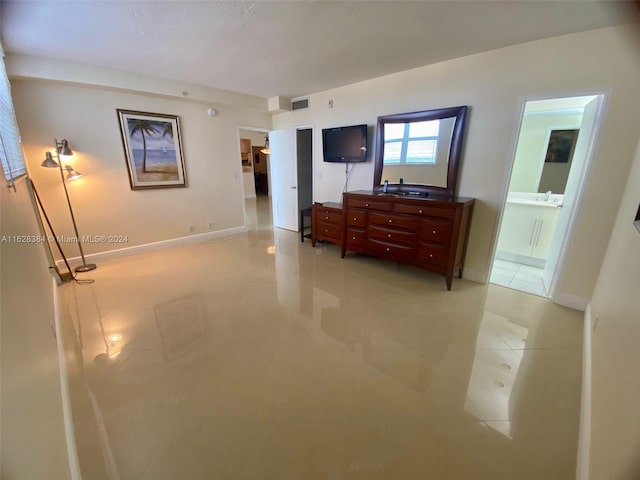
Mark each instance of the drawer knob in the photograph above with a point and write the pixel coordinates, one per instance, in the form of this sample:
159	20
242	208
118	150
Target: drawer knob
366	204
434	232
419	211
326	218
390	221
326	230
431	255
353	238
387	249
389	236
355	218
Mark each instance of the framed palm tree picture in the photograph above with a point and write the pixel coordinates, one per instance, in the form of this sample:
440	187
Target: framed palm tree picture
153	149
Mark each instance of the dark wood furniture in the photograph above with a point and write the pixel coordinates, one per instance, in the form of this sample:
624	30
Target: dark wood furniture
426	232
305	213
326	223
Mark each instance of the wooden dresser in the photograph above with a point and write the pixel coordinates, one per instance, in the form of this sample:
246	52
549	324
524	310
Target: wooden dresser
326	223
429	233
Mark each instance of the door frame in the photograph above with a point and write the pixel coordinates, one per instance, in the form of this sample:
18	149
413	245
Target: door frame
238	170
605	93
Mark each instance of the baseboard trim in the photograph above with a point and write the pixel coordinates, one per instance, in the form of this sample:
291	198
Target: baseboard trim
474	276
571	301
152	247
584	437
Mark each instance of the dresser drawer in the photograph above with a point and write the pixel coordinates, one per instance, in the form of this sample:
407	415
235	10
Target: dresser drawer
433	254
373	205
356	218
435	231
328	230
389	220
424	210
395	236
356	237
329	215
390	250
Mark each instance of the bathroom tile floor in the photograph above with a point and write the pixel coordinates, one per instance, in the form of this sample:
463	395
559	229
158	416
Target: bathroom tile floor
524	278
260	357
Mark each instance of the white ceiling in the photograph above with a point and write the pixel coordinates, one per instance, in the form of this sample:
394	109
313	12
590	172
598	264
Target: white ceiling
269	48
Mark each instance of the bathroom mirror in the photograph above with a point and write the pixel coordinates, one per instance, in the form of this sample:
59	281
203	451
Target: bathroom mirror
419	153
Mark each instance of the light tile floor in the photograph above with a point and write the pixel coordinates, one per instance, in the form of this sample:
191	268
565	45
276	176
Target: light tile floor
524	278
260	357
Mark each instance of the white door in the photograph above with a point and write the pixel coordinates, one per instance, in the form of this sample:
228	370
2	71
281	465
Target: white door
581	155
284	178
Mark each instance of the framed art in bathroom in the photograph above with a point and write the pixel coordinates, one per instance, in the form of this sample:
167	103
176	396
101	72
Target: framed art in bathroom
561	145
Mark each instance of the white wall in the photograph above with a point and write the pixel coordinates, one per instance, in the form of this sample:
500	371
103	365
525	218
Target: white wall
33	439
615	374
531	149
494	84
103	201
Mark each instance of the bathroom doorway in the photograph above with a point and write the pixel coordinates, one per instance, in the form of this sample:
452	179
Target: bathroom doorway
551	161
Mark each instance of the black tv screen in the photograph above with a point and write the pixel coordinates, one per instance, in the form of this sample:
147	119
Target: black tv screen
345	144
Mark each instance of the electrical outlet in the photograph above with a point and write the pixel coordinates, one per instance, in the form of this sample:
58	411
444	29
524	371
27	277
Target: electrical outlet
331	103
192	228
210	225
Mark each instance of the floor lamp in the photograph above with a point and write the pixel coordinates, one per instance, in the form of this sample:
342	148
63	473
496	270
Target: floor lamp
62	150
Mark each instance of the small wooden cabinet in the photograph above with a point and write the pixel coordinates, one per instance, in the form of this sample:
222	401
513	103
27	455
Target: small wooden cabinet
429	233
326	223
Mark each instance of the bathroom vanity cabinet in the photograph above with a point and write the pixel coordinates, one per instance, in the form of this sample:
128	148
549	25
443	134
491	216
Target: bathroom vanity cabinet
527	231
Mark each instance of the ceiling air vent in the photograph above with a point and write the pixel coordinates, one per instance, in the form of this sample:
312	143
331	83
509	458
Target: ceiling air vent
299	104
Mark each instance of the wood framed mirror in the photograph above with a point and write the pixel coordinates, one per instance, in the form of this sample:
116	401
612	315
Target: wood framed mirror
418	153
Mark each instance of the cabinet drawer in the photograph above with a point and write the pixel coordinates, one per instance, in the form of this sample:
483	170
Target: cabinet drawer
390	250
433	254
329	216
360	203
328	230
424	210
389	235
356	218
397	221
356	237
435	231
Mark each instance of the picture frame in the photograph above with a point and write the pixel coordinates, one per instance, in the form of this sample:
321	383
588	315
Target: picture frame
153	149
562	143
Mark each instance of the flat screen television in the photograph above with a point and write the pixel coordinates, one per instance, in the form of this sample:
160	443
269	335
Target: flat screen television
345	144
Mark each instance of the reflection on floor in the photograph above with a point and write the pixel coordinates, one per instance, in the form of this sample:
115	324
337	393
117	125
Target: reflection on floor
519	277
260	357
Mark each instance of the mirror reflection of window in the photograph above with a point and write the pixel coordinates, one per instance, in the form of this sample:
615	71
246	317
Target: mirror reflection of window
413	143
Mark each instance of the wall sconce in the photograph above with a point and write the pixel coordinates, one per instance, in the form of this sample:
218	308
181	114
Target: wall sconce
63	151
266	150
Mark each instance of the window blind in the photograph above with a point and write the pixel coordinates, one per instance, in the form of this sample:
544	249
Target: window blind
13	164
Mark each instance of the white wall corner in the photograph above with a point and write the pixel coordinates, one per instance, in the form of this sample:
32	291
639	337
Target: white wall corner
584	437
571	301
278	104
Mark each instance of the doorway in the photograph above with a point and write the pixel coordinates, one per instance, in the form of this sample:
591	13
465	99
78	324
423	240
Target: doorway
254	165
551	162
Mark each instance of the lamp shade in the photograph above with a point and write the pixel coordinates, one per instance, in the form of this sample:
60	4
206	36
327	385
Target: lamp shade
64	150
71	173
48	161
266	150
